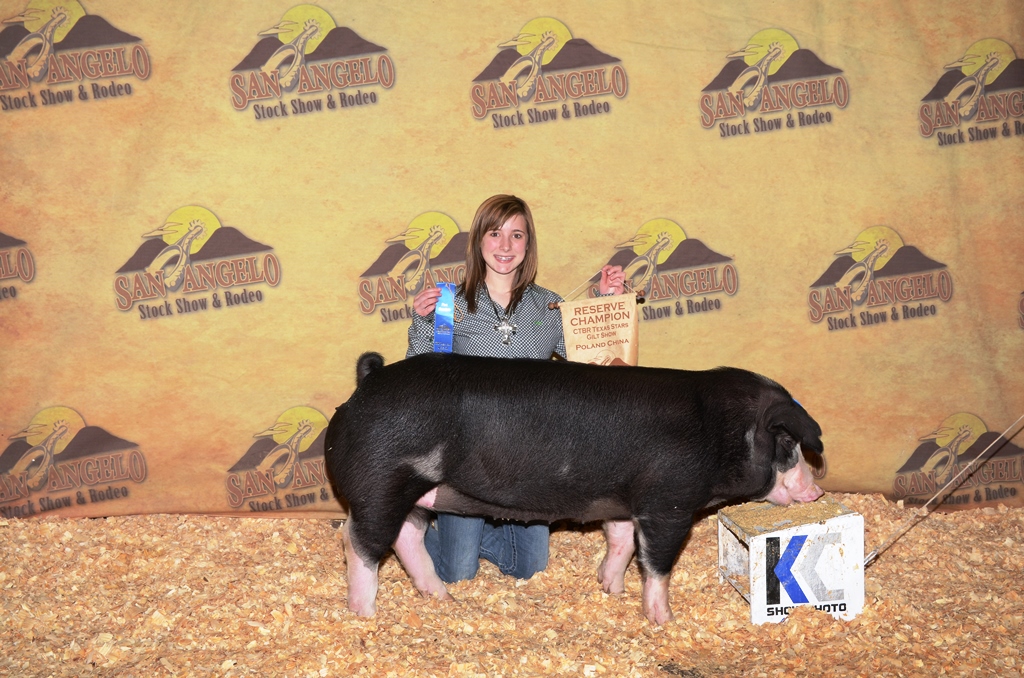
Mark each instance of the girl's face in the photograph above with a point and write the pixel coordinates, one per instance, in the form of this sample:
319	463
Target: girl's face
504	249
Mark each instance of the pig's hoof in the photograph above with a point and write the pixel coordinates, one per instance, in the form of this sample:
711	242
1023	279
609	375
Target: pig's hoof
659	617
432	587
366	612
612	588
612	584
439	595
363	610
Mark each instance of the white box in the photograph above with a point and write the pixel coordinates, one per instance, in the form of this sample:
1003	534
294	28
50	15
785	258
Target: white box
779	557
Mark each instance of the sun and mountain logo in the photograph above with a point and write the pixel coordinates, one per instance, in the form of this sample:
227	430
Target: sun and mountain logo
783	85
662	265
16	263
57	461
544	65
284	468
983	91
430	250
55	44
307	53
946	451
205	264
877	272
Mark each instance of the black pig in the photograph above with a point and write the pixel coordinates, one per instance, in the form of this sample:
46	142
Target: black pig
639	448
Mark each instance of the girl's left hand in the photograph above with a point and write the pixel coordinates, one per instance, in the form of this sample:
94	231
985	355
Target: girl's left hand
613	280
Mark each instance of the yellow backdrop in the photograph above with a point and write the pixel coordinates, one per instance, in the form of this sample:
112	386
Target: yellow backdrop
210	209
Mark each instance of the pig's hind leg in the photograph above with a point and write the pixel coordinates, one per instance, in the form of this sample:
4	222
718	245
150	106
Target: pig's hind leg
362	574
612	572
660	538
379	519
414	557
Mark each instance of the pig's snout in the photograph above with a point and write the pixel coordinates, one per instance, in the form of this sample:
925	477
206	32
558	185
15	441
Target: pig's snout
811	493
796	484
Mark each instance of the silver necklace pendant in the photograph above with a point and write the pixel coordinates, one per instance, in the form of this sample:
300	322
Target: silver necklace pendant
507	329
504	326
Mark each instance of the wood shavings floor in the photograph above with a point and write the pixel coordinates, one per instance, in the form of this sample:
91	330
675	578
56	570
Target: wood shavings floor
169	595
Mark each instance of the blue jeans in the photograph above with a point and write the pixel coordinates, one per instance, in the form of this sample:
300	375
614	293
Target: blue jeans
458	543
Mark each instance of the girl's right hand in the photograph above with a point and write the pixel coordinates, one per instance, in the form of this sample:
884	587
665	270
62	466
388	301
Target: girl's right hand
424	302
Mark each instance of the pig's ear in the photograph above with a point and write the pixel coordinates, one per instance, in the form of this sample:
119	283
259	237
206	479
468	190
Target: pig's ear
810	432
790	424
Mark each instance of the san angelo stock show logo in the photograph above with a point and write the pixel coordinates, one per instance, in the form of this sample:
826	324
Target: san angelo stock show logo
16	263
430	250
284	468
543	75
307	53
981	92
57	461
663	265
204	264
785	86
55	45
890	281
949	449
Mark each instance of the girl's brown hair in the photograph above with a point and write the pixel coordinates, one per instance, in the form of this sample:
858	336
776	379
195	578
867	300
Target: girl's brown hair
490	216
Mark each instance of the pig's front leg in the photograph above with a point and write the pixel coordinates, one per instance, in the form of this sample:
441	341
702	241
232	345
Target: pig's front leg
612	572
414	557
362	577
660	535
654	601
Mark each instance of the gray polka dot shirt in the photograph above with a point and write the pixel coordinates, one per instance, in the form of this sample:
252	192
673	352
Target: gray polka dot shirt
538	328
